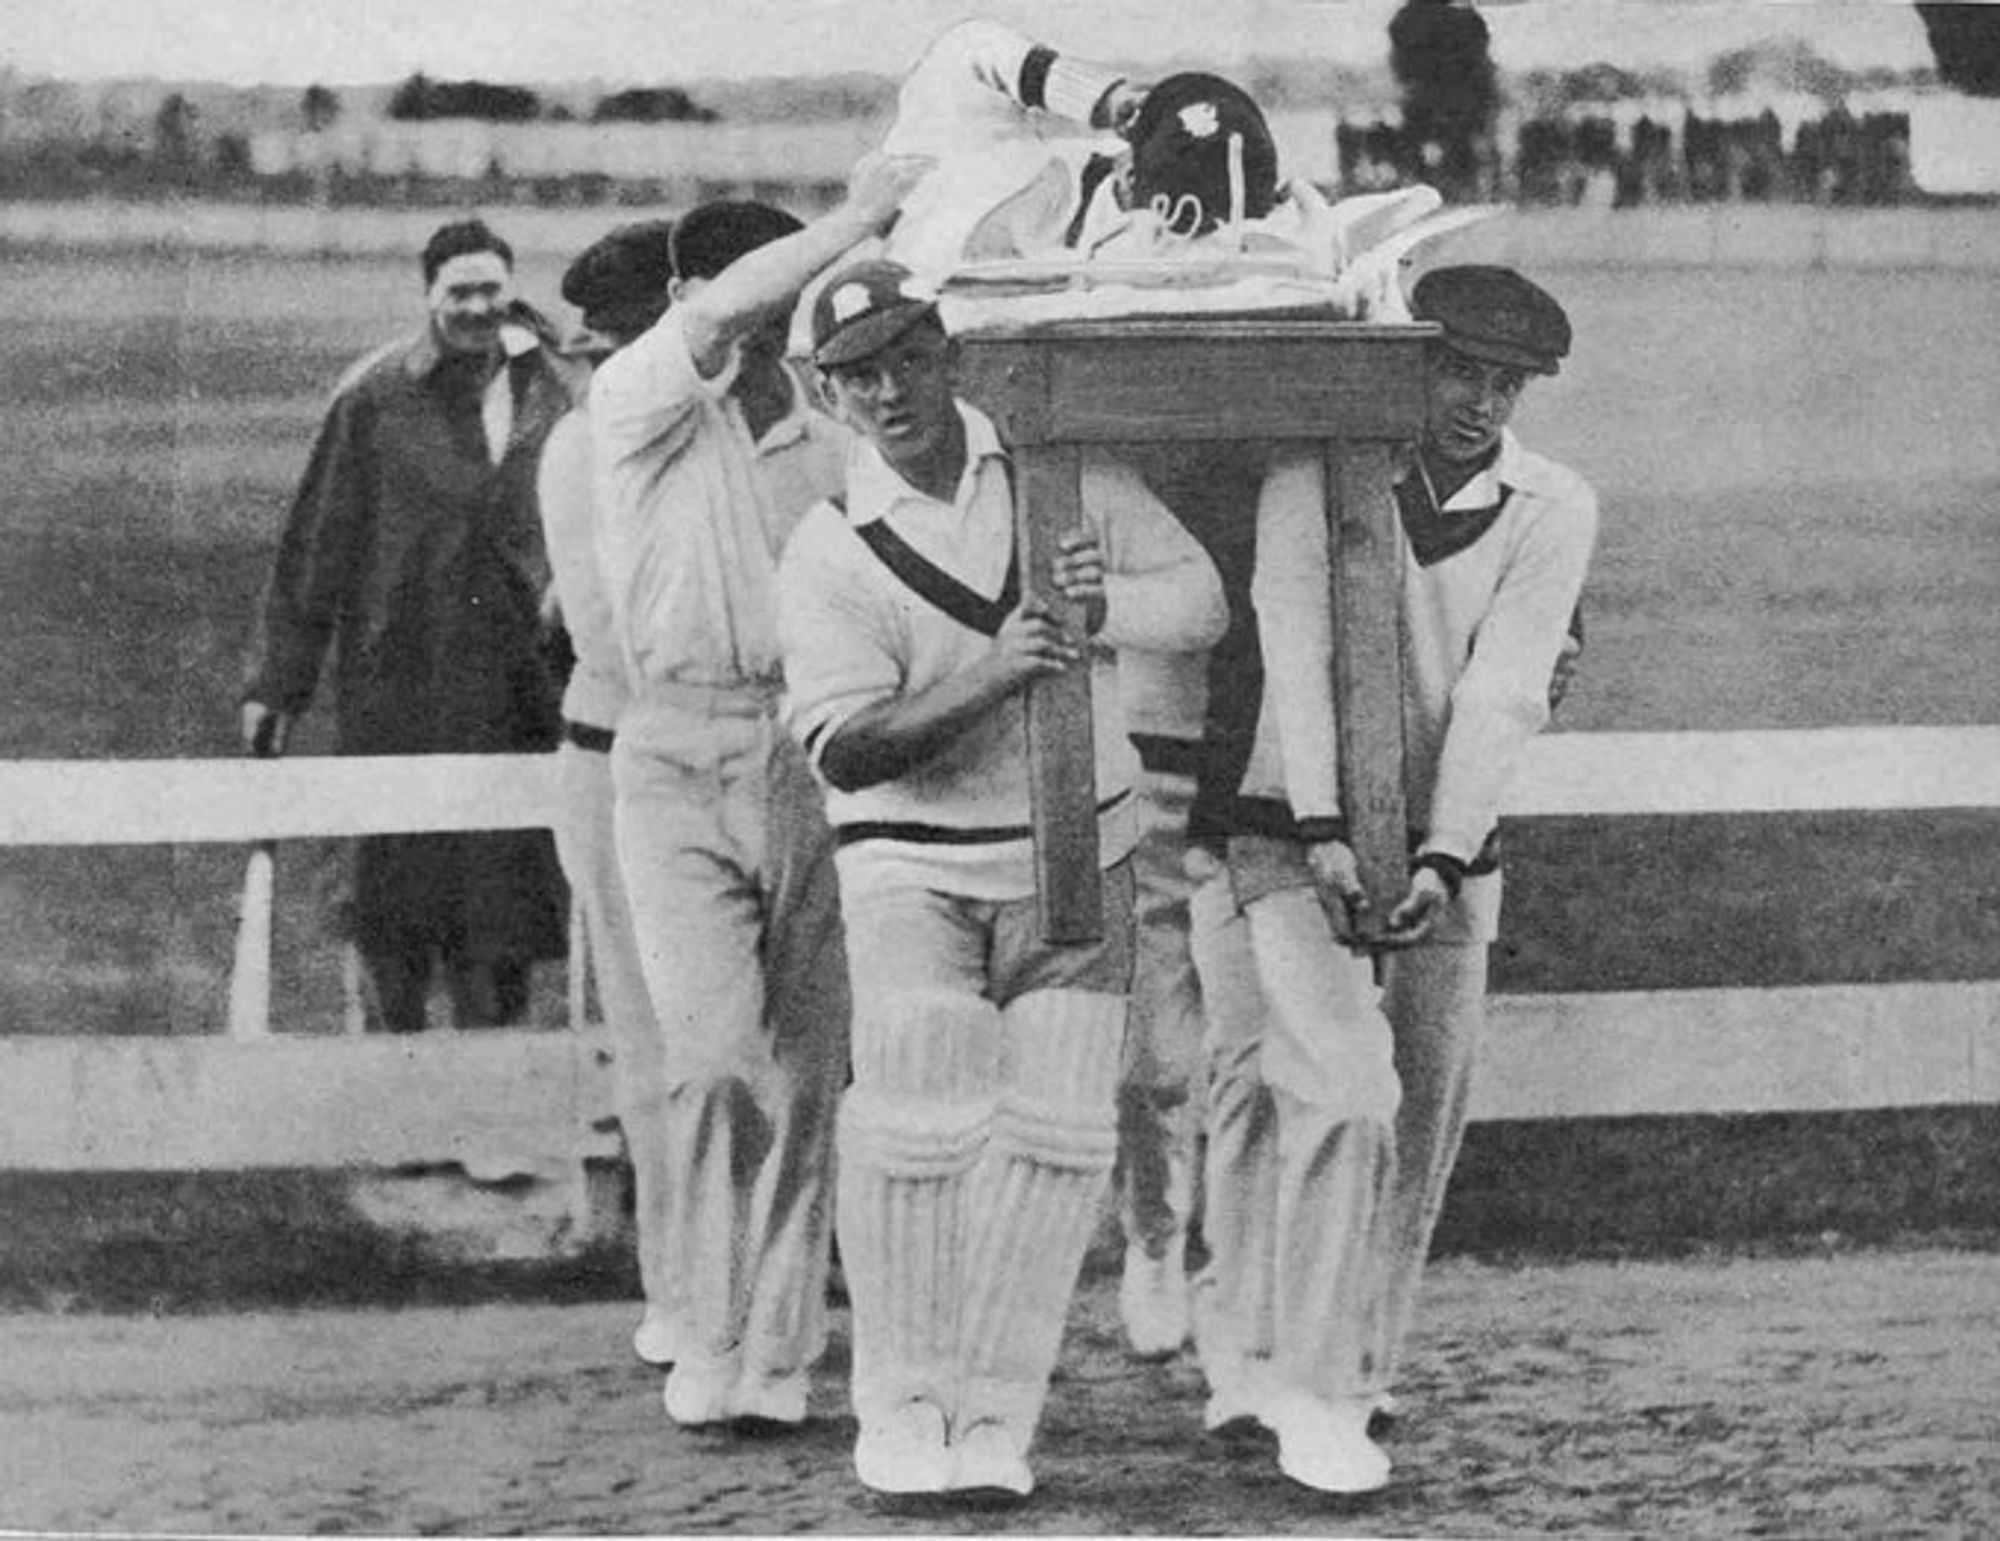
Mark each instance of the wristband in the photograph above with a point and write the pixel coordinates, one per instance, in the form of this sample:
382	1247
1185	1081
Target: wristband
1321	829
1034	81
1450	868
1073	88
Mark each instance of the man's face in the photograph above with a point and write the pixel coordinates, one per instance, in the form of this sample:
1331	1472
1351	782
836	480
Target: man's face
1471	401
901	397
467	299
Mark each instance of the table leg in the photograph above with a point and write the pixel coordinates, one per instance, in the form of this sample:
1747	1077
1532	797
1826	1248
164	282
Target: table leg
1368	665
1062	762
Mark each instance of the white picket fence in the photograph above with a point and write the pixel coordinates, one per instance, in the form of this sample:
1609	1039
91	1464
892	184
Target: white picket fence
245	1097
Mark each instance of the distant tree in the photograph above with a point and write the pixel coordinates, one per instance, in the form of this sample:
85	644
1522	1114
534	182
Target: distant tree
319	107
176	156
1788	65
420	98
49	109
229	162
1729	73
1439	54
411	100
1598	83
651	104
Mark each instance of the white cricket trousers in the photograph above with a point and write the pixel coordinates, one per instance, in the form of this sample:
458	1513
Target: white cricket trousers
1301	1133
1159	1090
1436	1000
728	866
586	845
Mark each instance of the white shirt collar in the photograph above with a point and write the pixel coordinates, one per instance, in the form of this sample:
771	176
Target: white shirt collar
874	488
1515	466
1520	467
516	339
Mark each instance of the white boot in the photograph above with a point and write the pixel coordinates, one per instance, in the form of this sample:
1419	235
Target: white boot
1153	1298
902	1451
657	1338
1325	1445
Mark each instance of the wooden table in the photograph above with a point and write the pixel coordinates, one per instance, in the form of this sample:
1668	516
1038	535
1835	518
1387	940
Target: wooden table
1356	389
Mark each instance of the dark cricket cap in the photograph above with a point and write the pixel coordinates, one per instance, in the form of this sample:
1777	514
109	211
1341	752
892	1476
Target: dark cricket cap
711	236
863	308
1180	146
1493	313
622	276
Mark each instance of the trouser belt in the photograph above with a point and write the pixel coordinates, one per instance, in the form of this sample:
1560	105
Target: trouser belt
589	736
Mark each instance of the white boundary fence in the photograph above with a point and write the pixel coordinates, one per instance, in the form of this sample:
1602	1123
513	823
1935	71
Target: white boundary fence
517	1101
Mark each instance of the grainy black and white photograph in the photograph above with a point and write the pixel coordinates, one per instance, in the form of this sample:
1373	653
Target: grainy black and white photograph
1398	933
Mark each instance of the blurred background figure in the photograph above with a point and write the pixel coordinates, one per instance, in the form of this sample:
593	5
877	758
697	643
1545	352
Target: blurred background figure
1966	41
1438	52
413	551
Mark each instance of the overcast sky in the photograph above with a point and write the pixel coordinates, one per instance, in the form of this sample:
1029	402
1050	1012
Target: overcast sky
295	42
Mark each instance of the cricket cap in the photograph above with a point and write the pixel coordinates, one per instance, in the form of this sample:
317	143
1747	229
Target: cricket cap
1180	148
619	281
863	308
711	236
1493	313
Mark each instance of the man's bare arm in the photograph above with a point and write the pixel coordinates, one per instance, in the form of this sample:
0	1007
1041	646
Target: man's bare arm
892	738
767	281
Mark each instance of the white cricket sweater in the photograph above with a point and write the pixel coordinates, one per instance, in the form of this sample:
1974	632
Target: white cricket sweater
855	634
1482	627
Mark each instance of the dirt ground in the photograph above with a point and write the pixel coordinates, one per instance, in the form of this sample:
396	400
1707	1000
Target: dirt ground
1849	1394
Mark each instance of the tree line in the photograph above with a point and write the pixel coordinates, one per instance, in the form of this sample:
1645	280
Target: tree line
420	99
53	145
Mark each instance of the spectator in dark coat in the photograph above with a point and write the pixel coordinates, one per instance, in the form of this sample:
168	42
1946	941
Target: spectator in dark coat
414	551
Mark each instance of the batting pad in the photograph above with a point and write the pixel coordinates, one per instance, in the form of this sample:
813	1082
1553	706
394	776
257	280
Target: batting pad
926	1043
910	1128
1034	1196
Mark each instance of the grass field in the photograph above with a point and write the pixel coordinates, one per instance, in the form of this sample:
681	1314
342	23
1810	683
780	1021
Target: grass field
1800	472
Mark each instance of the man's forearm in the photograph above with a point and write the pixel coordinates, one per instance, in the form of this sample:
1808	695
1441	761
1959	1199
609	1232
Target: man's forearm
892	738
988	57
764	282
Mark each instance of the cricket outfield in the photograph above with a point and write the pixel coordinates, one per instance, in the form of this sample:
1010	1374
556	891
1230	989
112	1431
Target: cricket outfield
1798	467
1799	470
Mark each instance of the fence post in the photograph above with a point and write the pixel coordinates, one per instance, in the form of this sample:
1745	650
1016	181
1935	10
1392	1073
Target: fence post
250	976
578	978
353	1003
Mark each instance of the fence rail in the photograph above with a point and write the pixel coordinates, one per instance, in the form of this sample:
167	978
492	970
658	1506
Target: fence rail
156	802
522	1100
